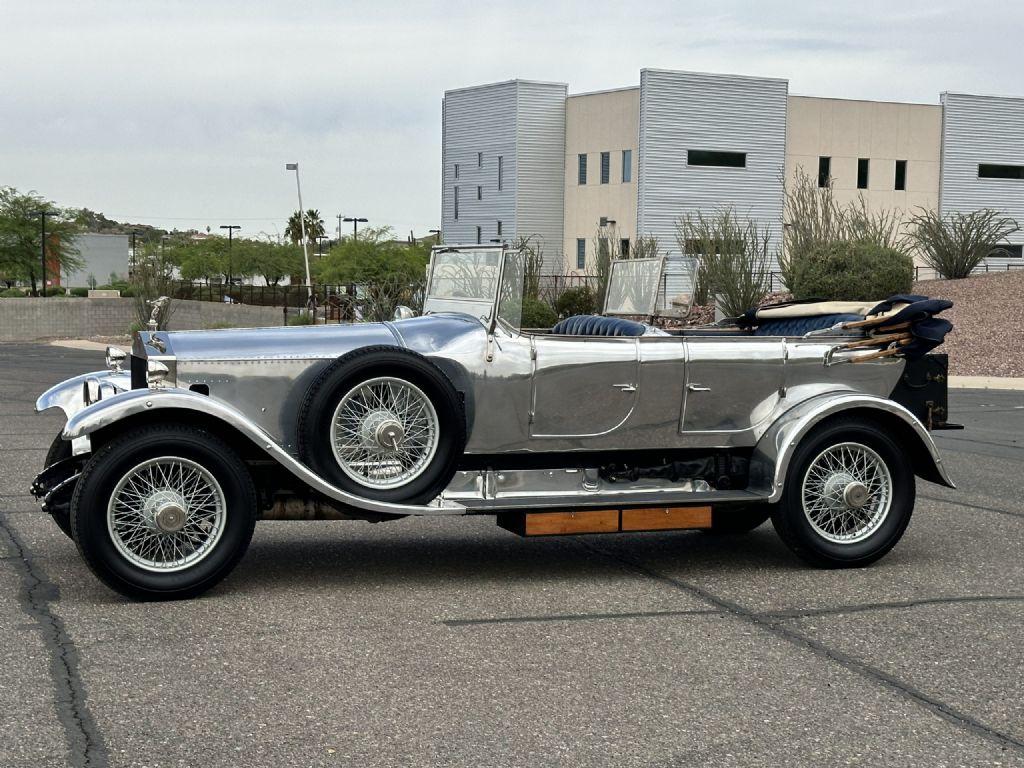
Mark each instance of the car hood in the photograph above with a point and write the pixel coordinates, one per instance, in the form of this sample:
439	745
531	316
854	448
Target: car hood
426	334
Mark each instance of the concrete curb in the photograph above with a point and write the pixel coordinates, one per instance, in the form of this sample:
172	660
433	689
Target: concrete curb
986	382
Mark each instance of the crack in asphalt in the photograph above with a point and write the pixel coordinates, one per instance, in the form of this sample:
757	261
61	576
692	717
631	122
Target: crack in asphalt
776	627
85	744
956	503
767	615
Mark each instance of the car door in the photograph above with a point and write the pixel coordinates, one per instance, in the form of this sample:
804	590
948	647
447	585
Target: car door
582	386
732	385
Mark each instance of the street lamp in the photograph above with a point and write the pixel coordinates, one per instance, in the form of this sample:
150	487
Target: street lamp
355	223
42	246
231	230
320	244
437	235
302	225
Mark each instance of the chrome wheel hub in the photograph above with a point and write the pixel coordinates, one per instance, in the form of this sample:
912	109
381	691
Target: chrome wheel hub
384	432
846	493
166	514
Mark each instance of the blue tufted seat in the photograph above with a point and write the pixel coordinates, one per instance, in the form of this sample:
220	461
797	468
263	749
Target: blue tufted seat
596	325
798	326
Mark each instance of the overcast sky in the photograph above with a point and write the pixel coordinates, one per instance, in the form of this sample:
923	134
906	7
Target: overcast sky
183	114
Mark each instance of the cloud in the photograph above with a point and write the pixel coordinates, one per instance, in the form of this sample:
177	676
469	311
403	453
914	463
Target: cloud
185	112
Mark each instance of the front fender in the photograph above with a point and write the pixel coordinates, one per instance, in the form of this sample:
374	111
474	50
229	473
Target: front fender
108	412
773	453
69	394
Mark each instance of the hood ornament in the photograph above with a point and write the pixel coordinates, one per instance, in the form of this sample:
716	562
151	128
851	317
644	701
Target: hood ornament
158	306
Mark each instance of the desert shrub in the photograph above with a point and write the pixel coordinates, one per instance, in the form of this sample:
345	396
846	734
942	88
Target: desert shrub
734	258
538	314
953	245
13	293
80	292
576	301
304	318
851	271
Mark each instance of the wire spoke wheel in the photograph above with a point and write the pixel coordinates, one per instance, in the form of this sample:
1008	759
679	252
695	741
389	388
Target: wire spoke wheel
846	493
384	432
166	514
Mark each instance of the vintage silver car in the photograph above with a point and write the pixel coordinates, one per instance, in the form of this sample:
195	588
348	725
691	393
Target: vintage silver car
601	424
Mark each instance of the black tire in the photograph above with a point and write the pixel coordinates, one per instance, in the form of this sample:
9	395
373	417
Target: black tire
736	519
796	530
326	392
60	449
113	461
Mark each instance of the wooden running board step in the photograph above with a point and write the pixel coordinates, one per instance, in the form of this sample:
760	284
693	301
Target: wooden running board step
563	523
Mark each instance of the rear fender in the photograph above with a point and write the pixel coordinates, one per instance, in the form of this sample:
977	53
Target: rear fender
109	412
770	461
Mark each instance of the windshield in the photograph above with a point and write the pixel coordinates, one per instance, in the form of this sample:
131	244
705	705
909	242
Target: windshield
633	287
463	280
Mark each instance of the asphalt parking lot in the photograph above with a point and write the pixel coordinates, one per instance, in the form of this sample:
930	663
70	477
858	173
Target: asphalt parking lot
430	642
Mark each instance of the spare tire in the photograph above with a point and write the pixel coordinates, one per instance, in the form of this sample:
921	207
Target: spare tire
383	423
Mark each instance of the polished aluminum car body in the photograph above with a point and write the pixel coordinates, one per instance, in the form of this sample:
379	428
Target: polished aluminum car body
544	411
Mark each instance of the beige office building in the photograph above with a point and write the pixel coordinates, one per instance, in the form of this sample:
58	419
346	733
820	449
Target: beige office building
634	160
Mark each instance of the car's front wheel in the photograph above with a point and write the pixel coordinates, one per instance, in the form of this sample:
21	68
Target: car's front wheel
848	497
163	512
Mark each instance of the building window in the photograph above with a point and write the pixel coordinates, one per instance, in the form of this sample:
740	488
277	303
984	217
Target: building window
581	174
606	167
456	170
824	171
479	193
993	171
863	165
479	235
581	253
499	227
627	165
901	175
1007	252
456	202
479	159
501	172
624	247
716	159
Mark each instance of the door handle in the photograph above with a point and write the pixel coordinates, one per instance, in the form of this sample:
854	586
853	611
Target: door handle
698	388
625	387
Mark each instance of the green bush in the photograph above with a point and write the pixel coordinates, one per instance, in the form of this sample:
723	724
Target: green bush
79	292
304	319
13	293
538	314
576	301
851	271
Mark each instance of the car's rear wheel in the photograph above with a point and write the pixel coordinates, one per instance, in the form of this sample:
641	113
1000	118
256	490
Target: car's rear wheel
383	423
163	512
848	498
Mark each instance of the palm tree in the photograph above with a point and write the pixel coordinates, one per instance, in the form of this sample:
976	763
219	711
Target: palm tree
314	227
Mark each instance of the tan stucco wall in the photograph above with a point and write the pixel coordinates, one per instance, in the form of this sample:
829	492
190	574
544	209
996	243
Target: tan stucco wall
884	132
596	123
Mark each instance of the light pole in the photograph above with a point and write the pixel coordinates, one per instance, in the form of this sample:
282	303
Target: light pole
355	223
302	225
231	231
340	217
320	244
42	245
437	235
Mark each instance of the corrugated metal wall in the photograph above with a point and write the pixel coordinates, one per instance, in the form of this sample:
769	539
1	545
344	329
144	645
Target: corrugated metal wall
481	119
680	111
540	168
975	130
523	123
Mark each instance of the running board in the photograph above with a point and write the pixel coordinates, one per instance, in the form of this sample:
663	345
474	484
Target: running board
548	489
605	520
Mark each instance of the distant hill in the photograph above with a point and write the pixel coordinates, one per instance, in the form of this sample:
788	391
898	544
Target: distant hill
91	221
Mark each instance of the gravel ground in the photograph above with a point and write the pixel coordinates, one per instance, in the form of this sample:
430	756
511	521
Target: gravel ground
988	322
